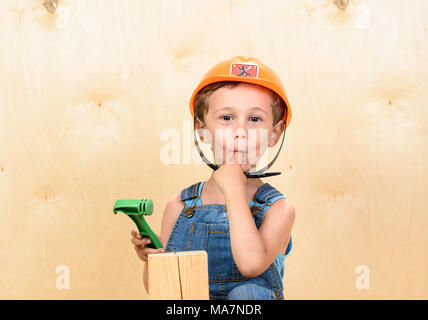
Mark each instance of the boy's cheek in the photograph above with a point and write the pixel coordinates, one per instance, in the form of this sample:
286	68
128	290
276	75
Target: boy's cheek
223	142
257	147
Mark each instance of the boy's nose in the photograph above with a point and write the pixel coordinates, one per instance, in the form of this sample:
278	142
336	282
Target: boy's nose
240	130
240	133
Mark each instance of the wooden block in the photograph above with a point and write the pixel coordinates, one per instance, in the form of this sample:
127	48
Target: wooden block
163	277
193	267
180	275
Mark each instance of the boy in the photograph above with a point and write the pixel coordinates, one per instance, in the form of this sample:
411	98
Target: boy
243	224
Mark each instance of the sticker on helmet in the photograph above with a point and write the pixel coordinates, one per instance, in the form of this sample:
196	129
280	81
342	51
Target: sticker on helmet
248	70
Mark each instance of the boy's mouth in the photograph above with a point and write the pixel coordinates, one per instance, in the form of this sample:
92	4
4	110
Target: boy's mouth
236	150
241	156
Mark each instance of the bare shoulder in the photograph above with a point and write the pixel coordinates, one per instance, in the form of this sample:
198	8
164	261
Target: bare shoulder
285	207
282	212
170	215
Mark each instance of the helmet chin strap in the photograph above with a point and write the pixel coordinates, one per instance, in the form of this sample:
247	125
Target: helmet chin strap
256	174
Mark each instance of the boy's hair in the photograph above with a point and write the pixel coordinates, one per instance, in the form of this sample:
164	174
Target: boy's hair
201	100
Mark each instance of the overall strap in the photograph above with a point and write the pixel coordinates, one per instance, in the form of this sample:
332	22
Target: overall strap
264	198
188	197
267	194
189	192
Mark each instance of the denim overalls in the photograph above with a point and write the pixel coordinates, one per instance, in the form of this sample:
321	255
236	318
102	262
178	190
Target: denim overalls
206	227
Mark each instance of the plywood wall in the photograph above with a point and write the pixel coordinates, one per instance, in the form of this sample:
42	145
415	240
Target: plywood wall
87	90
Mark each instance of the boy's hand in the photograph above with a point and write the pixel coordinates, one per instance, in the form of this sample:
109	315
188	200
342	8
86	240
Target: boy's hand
140	248
230	177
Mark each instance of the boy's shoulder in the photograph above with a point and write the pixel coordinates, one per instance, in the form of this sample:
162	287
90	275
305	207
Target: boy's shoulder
174	204
170	215
283	204
177	200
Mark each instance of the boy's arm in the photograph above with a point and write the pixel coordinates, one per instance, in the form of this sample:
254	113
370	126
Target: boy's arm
170	215
255	249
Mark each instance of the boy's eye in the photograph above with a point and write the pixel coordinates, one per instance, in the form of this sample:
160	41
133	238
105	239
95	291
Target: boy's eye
228	117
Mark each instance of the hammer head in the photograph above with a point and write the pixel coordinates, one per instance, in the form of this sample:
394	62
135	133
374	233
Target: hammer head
134	206
136	209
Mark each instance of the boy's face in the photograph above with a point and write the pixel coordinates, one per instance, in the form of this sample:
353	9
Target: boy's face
240	119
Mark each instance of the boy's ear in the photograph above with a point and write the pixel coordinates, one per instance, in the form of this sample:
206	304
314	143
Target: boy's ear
276	133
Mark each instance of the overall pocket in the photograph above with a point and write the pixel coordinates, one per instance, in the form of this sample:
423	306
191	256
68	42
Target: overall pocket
215	239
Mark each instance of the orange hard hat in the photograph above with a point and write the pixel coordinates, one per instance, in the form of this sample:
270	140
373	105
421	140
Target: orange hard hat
244	69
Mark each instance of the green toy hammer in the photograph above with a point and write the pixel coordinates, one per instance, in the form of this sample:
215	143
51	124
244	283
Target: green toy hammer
136	209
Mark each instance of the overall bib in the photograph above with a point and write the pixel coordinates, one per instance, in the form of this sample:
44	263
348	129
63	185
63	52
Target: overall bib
206	227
